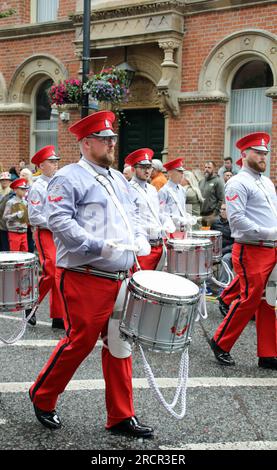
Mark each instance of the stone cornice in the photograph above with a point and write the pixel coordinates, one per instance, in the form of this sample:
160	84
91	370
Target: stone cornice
184	7
196	97
131	10
37	29
16	108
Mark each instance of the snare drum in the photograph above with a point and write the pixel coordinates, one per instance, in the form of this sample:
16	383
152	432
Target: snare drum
216	238
191	258
159	311
18	281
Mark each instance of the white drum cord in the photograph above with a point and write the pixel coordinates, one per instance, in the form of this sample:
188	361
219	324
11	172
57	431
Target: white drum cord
181	387
17	335
229	274
202	307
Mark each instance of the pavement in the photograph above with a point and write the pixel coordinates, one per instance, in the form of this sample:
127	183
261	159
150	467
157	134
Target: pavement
227	408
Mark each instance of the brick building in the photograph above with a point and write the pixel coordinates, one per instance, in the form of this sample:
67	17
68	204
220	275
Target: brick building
206	73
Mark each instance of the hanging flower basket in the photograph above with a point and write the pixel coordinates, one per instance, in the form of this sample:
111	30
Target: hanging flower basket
68	92
108	86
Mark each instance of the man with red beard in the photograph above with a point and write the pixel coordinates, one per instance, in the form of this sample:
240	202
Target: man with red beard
252	213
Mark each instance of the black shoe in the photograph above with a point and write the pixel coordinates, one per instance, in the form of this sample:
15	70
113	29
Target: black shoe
58	323
222	356
49	419
32	321
224	308
268	362
132	427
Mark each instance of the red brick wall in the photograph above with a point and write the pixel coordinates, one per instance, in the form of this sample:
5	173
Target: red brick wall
22	14
66	7
15	139
68	146
206	30
198	135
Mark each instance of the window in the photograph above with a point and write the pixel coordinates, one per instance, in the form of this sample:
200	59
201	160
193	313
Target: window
46	10
250	108
46	123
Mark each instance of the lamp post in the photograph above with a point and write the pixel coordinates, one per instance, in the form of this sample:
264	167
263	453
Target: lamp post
86	54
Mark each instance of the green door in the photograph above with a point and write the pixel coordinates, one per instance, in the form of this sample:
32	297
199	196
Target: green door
141	128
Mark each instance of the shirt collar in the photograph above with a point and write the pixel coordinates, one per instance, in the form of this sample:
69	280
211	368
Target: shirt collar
251	172
100	169
142	183
173	185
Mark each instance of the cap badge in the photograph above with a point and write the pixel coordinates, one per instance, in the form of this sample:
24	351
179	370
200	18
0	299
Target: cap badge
263	142
107	123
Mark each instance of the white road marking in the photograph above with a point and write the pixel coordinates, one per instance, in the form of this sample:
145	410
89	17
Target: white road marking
19	318
99	384
40	343
240	445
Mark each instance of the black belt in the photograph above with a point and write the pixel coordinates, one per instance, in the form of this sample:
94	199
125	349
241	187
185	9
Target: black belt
266	244
157	242
118	276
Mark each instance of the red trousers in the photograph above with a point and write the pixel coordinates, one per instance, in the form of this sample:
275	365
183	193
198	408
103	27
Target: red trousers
18	241
253	265
49	280
231	292
151	261
88	302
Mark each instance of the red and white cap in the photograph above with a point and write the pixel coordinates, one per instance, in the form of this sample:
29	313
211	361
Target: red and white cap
176	164
46	153
256	140
20	183
141	156
99	124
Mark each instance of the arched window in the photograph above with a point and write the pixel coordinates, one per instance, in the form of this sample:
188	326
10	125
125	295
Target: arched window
250	108
46	123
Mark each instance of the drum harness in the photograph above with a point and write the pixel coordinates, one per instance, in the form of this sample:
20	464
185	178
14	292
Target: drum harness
184	362
162	260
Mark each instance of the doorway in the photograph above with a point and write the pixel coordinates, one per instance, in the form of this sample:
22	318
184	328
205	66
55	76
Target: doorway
141	128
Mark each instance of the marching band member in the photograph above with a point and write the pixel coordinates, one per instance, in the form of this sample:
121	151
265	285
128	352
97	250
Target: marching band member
173	199
93	256
147	201
252	213
47	161
16	216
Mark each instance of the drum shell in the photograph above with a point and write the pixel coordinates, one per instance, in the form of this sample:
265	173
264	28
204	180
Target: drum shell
216	238
18	282
193	261
161	324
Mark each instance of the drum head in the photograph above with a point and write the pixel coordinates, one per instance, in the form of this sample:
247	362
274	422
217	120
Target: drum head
188	242
166	283
206	233
13	257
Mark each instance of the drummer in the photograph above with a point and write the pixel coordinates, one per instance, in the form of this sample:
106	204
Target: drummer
173	199
92	239
252	213
16	216
47	161
147	202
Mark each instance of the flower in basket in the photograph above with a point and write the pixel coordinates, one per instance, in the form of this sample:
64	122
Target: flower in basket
109	85
66	92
